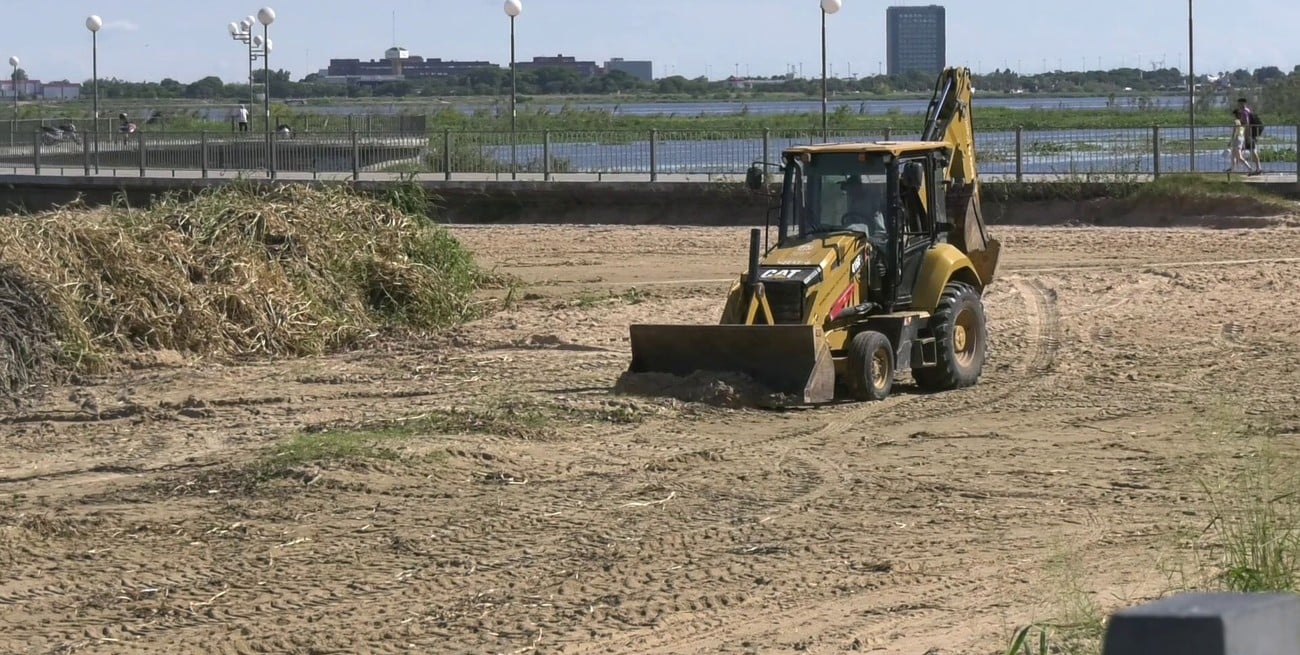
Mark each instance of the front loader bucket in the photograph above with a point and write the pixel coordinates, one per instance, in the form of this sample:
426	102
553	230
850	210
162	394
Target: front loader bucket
788	359
985	260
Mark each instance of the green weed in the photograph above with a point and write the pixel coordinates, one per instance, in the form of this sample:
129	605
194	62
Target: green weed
1190	188
633	296
1251	544
512	418
1257	524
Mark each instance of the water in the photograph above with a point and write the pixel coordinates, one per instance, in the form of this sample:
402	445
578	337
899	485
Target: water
1042	152
723	107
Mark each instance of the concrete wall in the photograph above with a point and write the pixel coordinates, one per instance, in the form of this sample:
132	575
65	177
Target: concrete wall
657	203
680	203
187	154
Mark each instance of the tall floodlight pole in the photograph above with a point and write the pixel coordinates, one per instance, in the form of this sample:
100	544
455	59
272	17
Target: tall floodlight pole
513	8
828	7
1191	86
93	23
243	31
253	49
266	16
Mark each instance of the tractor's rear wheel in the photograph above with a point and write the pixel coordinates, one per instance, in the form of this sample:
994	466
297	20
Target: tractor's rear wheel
961	340
870	366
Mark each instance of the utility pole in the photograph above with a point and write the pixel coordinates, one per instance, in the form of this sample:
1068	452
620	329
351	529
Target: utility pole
1191	86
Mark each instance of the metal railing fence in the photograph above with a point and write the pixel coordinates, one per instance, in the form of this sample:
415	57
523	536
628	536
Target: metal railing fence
647	154
15	130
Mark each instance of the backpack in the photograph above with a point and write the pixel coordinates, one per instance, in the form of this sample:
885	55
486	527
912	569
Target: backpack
1256	125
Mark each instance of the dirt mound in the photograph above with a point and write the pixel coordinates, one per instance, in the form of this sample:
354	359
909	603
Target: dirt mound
28	345
733	390
237	270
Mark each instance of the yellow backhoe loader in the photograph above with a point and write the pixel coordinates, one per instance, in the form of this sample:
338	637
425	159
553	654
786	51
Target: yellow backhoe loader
879	265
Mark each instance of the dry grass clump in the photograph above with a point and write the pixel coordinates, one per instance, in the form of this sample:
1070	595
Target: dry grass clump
28	346
241	269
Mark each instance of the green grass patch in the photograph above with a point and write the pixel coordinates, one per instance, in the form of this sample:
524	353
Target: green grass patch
1079	622
680	118
1249	544
1066	187
1171	190
336	446
1063	147
902	125
1256	522
1276	155
1267	154
387	441
1208	188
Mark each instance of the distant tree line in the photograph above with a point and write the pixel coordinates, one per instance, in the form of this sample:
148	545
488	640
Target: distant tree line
1270	81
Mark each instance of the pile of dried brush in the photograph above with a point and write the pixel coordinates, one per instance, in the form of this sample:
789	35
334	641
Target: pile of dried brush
239	269
29	349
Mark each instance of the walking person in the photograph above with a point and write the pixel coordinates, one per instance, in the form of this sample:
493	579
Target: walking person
241	116
125	127
1236	143
1254	129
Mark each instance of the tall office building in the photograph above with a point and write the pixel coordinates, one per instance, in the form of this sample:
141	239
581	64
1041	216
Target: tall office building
641	70
915	39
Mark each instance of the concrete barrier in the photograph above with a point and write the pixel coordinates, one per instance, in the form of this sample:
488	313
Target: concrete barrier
584	202
661	203
1208	624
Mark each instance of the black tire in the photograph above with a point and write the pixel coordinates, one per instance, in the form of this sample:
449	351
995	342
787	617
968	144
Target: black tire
960	358
870	366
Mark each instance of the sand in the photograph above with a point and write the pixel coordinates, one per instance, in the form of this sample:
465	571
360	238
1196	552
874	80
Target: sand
554	515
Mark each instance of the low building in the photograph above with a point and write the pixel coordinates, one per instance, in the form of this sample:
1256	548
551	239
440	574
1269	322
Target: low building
582	68
399	64
751	82
35	89
61	91
641	70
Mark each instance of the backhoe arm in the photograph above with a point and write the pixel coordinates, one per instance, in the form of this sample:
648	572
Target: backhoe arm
948	119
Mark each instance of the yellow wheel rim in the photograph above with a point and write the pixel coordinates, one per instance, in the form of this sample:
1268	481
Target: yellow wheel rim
880	364
964	339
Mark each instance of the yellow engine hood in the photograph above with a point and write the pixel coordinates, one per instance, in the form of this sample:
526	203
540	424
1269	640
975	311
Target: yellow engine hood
825	252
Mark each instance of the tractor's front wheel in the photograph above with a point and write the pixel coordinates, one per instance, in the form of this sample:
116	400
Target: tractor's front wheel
961	340
870	366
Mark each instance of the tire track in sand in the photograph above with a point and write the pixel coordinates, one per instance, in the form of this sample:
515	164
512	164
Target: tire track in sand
822	475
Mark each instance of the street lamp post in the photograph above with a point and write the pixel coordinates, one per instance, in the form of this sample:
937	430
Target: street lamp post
828	7
1191	87
93	23
513	8
13	62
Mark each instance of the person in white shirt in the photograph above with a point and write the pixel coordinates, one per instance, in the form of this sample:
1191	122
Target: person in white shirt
1236	145
241	115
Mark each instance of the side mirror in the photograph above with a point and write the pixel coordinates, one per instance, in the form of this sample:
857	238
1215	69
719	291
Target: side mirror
754	178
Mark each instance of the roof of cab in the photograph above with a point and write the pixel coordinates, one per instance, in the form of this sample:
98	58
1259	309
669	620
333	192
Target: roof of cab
893	147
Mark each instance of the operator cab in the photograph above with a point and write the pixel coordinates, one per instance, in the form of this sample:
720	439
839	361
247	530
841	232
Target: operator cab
834	193
880	194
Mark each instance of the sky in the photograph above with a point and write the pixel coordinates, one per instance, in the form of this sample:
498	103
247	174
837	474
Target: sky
148	40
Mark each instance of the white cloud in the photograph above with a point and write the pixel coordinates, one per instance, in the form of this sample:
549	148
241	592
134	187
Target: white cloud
121	26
